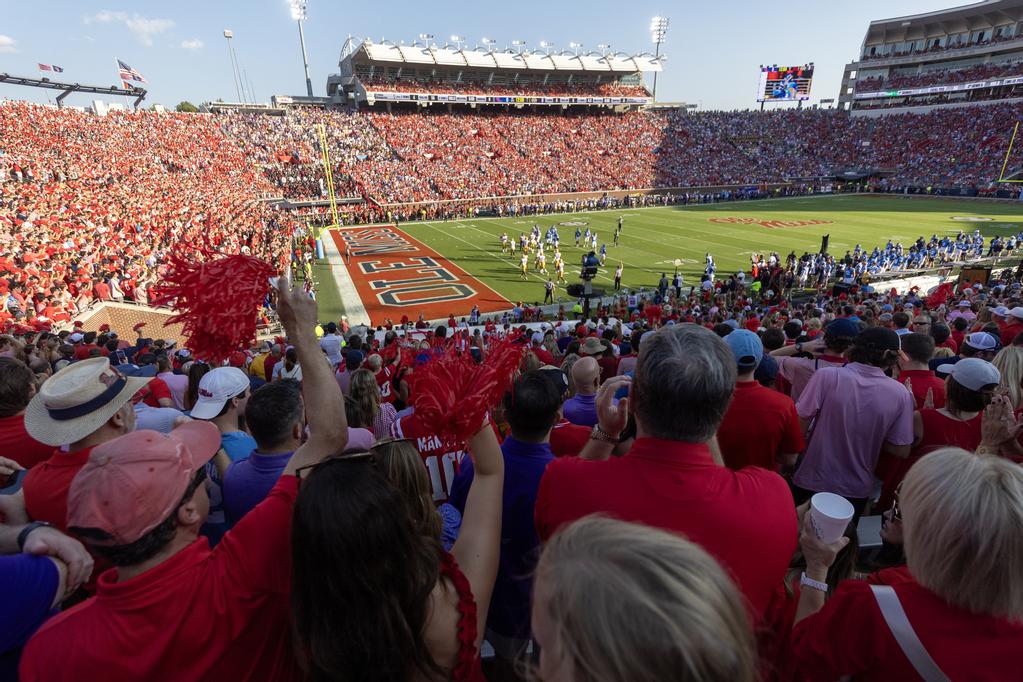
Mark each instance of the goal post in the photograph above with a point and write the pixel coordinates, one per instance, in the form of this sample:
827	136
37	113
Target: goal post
1008	153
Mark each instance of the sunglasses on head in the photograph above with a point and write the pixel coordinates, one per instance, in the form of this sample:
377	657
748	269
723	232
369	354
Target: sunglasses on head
302	472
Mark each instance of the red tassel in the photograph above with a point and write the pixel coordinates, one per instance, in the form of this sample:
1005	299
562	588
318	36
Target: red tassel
452	394
216	300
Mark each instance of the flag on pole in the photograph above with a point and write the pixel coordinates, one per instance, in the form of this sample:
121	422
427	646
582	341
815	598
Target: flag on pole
126	85
51	67
129	74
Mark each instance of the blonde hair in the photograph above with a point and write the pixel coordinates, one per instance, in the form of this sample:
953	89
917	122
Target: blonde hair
365	393
1009	362
943	352
402	466
962	514
629	603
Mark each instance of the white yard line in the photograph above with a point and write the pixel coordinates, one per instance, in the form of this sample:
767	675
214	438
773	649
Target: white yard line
355	309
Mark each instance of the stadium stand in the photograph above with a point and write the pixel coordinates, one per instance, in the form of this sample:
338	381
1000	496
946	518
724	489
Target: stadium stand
960	55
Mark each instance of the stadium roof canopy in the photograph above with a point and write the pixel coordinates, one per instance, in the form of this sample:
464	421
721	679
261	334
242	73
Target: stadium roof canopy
389	53
945	22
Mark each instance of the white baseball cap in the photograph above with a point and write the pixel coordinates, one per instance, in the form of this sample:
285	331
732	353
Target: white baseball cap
76	337
217	387
973	373
1017	312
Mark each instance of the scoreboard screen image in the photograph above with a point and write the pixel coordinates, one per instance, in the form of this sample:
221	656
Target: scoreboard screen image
785	83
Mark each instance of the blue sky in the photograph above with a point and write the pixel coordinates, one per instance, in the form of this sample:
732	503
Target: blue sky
713	48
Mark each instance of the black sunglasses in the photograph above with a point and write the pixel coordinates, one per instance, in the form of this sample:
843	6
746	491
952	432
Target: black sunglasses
302	472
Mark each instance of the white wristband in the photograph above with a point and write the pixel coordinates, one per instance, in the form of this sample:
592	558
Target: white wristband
815	584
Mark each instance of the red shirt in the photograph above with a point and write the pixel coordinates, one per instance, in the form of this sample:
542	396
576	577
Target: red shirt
82	351
1010	331
46	486
939	432
16	444
384	384
759	426
202	614
743	518
441	462
156	389
922	381
568	439
608	367
849	636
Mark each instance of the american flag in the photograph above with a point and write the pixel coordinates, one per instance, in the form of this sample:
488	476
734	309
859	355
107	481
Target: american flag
51	67
129	74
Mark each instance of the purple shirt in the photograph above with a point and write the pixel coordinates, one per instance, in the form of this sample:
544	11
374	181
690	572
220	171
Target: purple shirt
857	410
581	409
248	481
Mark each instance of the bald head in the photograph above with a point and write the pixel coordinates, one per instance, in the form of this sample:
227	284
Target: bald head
586	376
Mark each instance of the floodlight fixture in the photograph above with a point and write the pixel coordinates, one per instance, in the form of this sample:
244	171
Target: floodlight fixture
575	46
299	9
658	30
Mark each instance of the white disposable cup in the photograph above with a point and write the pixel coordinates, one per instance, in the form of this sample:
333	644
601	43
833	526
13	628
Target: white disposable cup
830	515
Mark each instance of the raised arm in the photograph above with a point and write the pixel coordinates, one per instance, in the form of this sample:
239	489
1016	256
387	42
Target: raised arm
478	547
324	405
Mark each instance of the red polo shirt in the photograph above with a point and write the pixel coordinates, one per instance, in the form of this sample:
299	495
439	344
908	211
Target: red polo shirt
850	637
760	425
16	444
922	380
1010	331
746	519
568	439
202	614
46	486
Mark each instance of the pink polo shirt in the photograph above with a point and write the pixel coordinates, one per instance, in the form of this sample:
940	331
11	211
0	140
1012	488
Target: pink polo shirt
856	409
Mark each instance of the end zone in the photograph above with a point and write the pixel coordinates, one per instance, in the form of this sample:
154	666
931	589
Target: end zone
391	274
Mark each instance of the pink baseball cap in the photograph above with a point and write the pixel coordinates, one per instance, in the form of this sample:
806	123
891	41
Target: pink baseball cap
131	484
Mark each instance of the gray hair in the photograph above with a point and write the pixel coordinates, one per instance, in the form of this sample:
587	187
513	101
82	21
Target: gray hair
685	376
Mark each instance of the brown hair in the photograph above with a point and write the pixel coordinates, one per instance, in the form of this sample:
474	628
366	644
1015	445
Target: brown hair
17	384
403	467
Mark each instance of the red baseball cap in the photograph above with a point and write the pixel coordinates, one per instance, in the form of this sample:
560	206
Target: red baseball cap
237	359
131	484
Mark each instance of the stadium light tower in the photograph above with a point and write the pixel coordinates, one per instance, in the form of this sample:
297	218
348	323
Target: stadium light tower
546	46
458	41
575	46
518	45
299	12
603	47
658	29
228	33
426	38
489	42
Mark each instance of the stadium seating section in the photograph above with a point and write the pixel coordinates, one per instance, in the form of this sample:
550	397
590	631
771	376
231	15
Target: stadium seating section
90	205
482	88
945	77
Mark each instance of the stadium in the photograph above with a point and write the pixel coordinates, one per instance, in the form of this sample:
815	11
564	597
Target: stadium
483	235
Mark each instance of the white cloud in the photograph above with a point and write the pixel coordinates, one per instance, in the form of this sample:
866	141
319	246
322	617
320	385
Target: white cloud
7	44
141	27
193	44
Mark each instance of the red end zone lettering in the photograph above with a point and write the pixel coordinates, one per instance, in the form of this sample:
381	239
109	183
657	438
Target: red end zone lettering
769	223
397	275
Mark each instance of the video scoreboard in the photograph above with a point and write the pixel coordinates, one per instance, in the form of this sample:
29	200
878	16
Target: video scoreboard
785	83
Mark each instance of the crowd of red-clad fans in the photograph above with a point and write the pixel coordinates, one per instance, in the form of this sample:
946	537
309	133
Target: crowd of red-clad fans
612	89
945	77
90	206
411	158
681	487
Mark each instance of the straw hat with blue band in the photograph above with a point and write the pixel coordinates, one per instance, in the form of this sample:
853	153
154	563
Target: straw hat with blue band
76	401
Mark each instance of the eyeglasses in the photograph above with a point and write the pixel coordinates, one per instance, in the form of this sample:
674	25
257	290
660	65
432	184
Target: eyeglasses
896	509
922	324
302	472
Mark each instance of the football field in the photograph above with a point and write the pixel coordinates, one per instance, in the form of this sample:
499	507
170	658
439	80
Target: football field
654	240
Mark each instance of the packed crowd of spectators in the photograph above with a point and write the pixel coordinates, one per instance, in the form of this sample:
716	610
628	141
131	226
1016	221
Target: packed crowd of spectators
103	200
949	77
700	464
90	206
472	87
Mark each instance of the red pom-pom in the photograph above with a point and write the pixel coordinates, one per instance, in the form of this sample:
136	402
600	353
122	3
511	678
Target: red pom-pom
139	326
451	393
216	300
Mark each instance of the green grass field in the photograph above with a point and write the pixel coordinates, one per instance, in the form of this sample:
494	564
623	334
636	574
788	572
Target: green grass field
653	238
